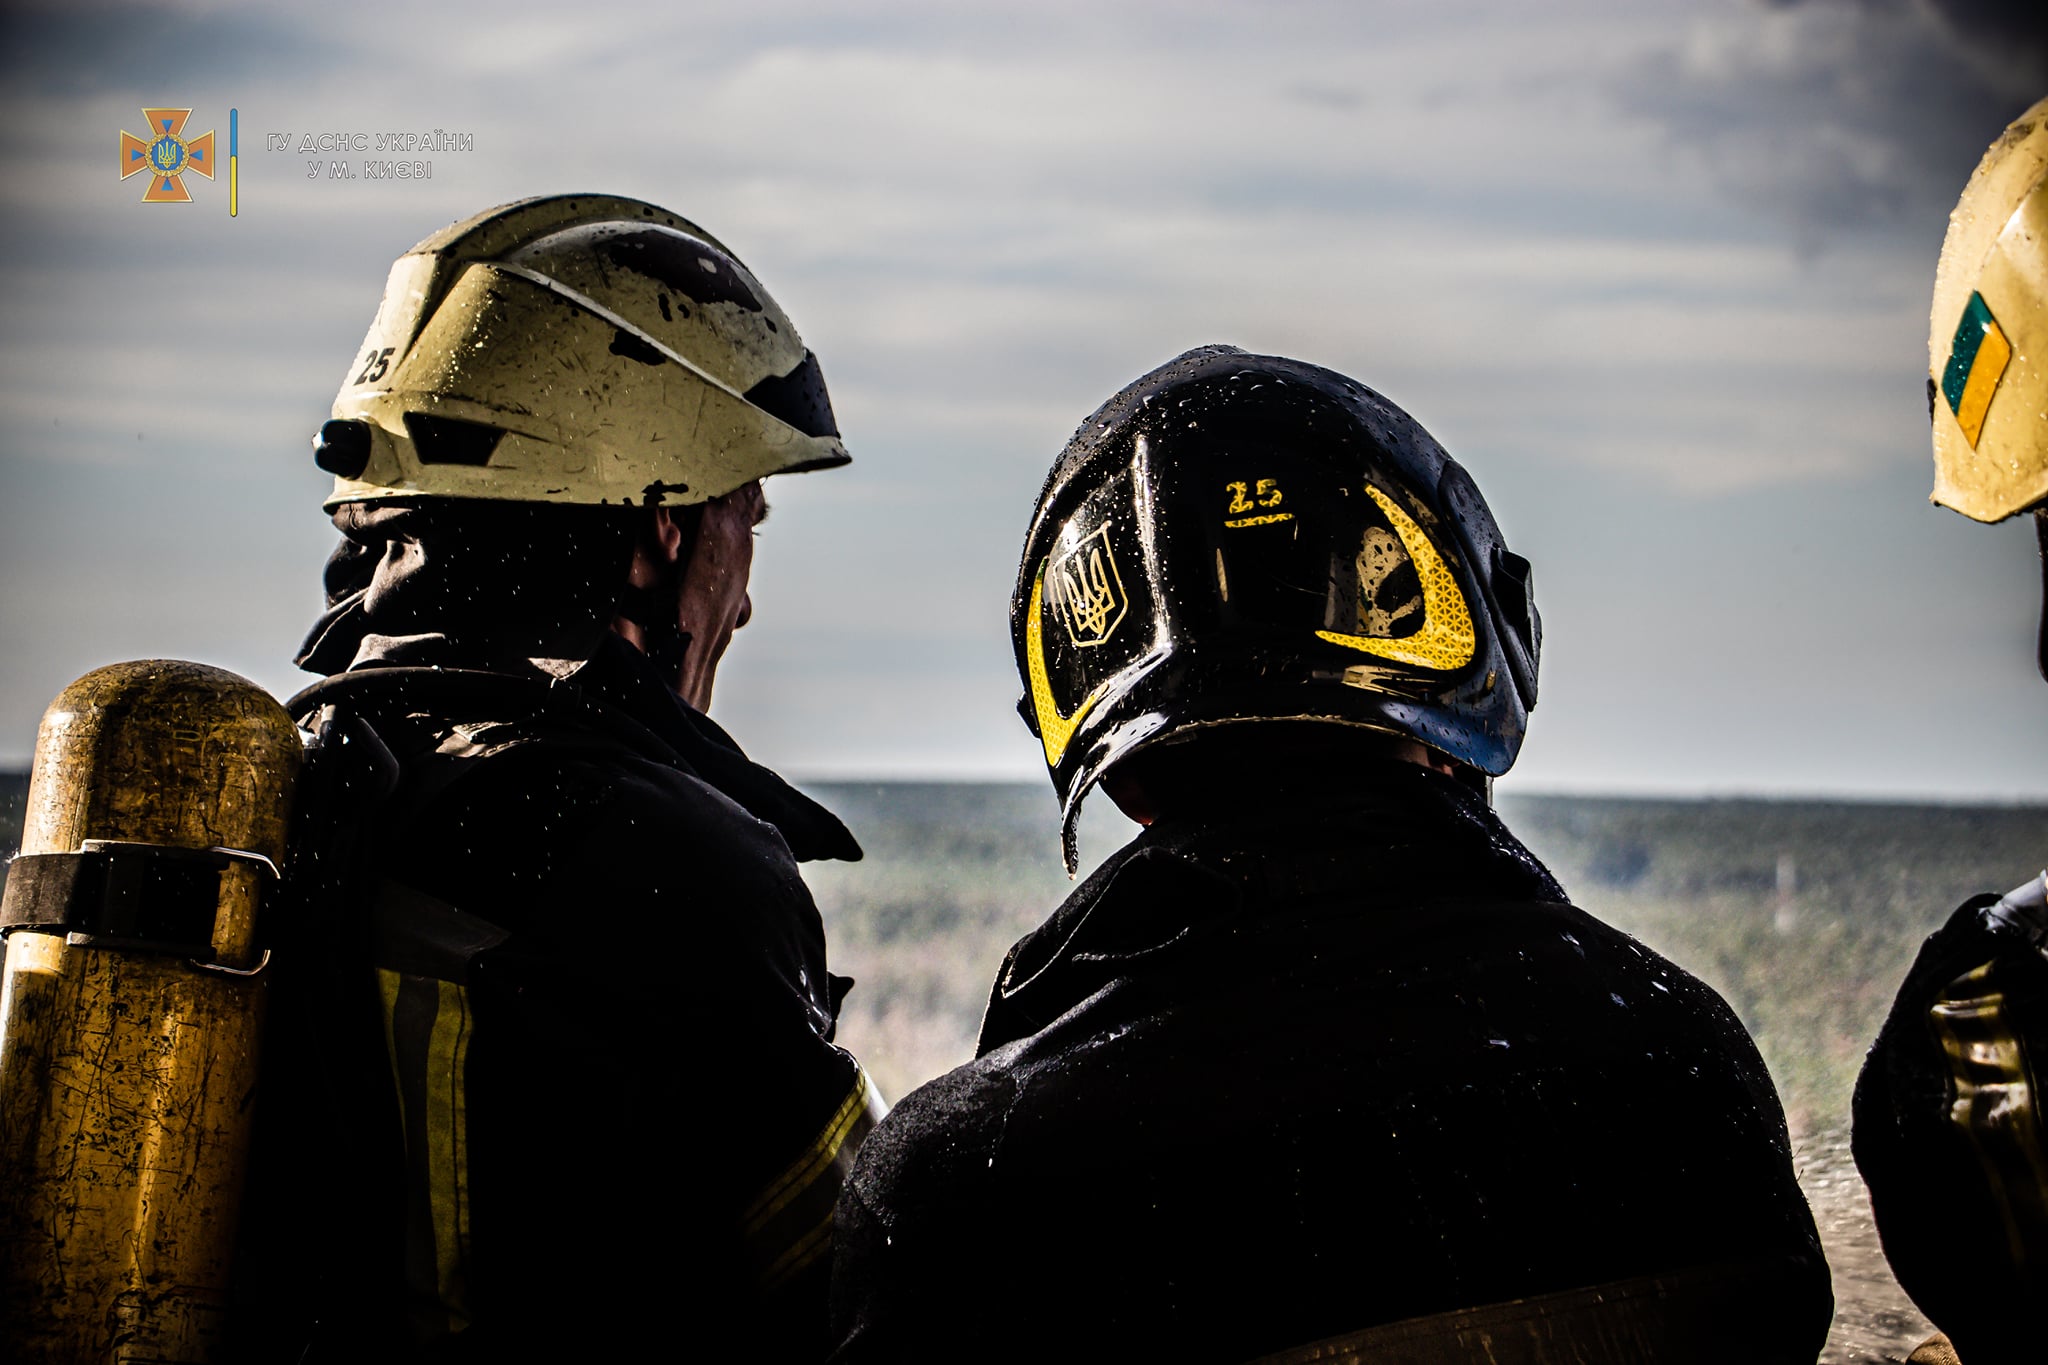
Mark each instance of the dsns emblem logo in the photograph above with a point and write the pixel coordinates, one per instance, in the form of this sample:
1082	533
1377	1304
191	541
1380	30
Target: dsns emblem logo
165	155
1087	593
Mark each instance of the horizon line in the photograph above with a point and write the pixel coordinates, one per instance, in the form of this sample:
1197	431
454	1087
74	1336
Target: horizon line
1622	792
1570	791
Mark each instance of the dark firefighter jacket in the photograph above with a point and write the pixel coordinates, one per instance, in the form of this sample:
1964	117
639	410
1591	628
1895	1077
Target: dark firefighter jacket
1321	1060
569	1090
1948	1136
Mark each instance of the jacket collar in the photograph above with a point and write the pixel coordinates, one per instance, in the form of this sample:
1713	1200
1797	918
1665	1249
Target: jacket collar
427	671
1408	834
618	675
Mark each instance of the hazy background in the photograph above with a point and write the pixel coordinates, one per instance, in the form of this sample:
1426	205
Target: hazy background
1656	272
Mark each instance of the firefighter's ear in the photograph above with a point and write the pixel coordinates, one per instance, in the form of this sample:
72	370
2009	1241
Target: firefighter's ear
658	548
665	536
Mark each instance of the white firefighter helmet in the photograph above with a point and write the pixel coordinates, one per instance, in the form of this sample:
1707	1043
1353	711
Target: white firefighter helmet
1987	344
575	349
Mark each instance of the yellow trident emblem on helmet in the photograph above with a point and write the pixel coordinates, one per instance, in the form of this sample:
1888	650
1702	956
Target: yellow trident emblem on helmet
1090	599
1088	592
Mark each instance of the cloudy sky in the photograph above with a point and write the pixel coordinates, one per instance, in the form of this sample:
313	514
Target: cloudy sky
1657	273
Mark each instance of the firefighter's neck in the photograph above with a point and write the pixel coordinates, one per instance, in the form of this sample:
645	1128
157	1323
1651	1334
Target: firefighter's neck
1170	780
702	579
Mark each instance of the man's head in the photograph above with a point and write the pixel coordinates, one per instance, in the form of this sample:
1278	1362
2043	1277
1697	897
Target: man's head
1987	345
687	587
603	357
1239	541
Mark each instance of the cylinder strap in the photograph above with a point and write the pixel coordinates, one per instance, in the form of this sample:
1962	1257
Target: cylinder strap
150	897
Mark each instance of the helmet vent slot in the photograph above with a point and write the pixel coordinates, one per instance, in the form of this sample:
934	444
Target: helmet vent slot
447	440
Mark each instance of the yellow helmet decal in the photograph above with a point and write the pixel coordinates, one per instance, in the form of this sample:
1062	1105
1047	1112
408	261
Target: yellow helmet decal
1054	729
1446	641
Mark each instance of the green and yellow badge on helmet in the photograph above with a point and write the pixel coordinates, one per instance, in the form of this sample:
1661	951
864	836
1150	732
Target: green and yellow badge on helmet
1977	358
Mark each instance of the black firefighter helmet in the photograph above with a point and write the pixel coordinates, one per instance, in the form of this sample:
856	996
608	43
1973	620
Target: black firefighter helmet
1240	538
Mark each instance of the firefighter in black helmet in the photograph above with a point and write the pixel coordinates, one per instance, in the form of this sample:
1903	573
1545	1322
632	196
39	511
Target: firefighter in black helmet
1949	1123
551	1073
1322	1065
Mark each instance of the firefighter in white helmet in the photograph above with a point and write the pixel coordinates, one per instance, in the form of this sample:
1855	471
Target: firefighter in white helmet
1948	1119
552	1072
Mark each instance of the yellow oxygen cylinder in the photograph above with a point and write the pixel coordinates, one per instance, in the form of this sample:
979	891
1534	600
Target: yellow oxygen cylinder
132	1008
